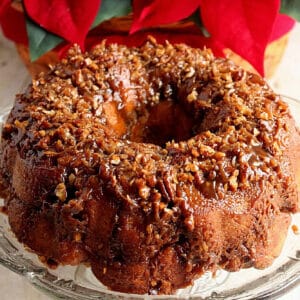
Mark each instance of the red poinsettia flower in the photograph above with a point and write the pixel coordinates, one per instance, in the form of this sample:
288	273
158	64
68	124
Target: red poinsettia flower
238	25
244	26
282	25
151	13
12	22
69	19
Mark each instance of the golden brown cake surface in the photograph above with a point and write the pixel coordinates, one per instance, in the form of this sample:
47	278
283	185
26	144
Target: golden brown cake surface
154	164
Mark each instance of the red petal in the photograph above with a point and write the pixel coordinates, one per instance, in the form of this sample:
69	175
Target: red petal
69	19
3	7
283	24
243	26
10	19
152	13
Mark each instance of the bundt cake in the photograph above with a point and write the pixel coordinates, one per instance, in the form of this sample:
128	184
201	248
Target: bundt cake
153	164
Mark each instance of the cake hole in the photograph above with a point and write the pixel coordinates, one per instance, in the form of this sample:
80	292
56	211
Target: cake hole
169	120
166	121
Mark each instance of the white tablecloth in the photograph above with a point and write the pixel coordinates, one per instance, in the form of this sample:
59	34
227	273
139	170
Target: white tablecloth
12	77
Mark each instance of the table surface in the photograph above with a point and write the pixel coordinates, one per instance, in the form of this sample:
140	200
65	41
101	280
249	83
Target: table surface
13	76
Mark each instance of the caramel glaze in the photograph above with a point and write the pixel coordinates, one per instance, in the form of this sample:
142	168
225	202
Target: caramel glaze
153	164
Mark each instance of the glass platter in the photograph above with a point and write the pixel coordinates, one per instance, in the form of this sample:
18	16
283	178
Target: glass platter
80	283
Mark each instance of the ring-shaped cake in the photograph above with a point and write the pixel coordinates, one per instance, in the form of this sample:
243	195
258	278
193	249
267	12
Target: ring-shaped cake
153	164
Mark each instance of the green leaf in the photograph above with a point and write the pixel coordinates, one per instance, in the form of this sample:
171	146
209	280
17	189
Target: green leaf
291	8
195	17
40	40
109	9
